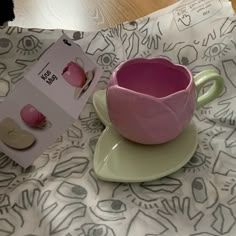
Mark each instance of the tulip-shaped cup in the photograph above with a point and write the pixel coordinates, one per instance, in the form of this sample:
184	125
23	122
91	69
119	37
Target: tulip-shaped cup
151	101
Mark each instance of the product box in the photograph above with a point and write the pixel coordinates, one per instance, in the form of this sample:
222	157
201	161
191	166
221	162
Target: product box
47	101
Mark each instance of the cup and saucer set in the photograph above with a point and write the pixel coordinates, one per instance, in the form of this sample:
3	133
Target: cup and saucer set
147	109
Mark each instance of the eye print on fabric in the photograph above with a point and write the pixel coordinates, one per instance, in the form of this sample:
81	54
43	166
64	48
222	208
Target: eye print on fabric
109	210
91	123
91	229
146	195
197	163
107	59
215	51
73	191
28	45
5	45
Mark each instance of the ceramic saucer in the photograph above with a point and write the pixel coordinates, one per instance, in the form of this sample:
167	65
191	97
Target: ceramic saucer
120	160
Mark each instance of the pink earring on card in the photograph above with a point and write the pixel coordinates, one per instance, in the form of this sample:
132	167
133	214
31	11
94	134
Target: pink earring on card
34	118
75	75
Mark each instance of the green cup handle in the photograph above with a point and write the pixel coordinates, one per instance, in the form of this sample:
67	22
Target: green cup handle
201	79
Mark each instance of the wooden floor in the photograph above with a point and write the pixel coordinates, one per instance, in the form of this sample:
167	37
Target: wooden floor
85	15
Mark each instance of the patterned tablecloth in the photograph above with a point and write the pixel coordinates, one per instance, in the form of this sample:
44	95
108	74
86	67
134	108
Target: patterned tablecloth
60	194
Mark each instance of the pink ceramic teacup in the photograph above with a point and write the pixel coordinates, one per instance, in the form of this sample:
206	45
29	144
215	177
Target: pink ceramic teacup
33	117
151	101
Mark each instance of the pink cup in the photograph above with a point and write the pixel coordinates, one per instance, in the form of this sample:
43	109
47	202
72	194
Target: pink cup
74	74
151	101
31	116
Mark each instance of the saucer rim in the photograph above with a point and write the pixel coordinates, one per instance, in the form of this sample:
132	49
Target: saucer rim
149	177
105	122
108	126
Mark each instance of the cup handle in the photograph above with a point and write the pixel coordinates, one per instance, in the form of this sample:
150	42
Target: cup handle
213	92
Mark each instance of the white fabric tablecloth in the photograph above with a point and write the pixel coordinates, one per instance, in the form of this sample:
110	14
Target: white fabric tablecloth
60	195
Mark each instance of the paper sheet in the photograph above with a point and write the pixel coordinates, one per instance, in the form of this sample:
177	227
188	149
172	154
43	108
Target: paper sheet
60	195
47	87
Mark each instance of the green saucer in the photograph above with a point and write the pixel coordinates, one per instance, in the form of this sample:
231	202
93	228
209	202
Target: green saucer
117	159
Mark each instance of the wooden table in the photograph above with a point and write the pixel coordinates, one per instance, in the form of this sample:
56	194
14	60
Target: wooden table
85	15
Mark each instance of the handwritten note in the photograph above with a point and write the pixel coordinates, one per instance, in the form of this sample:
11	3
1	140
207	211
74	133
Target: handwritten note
195	12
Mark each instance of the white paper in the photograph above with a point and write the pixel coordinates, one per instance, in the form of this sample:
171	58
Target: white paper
45	89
